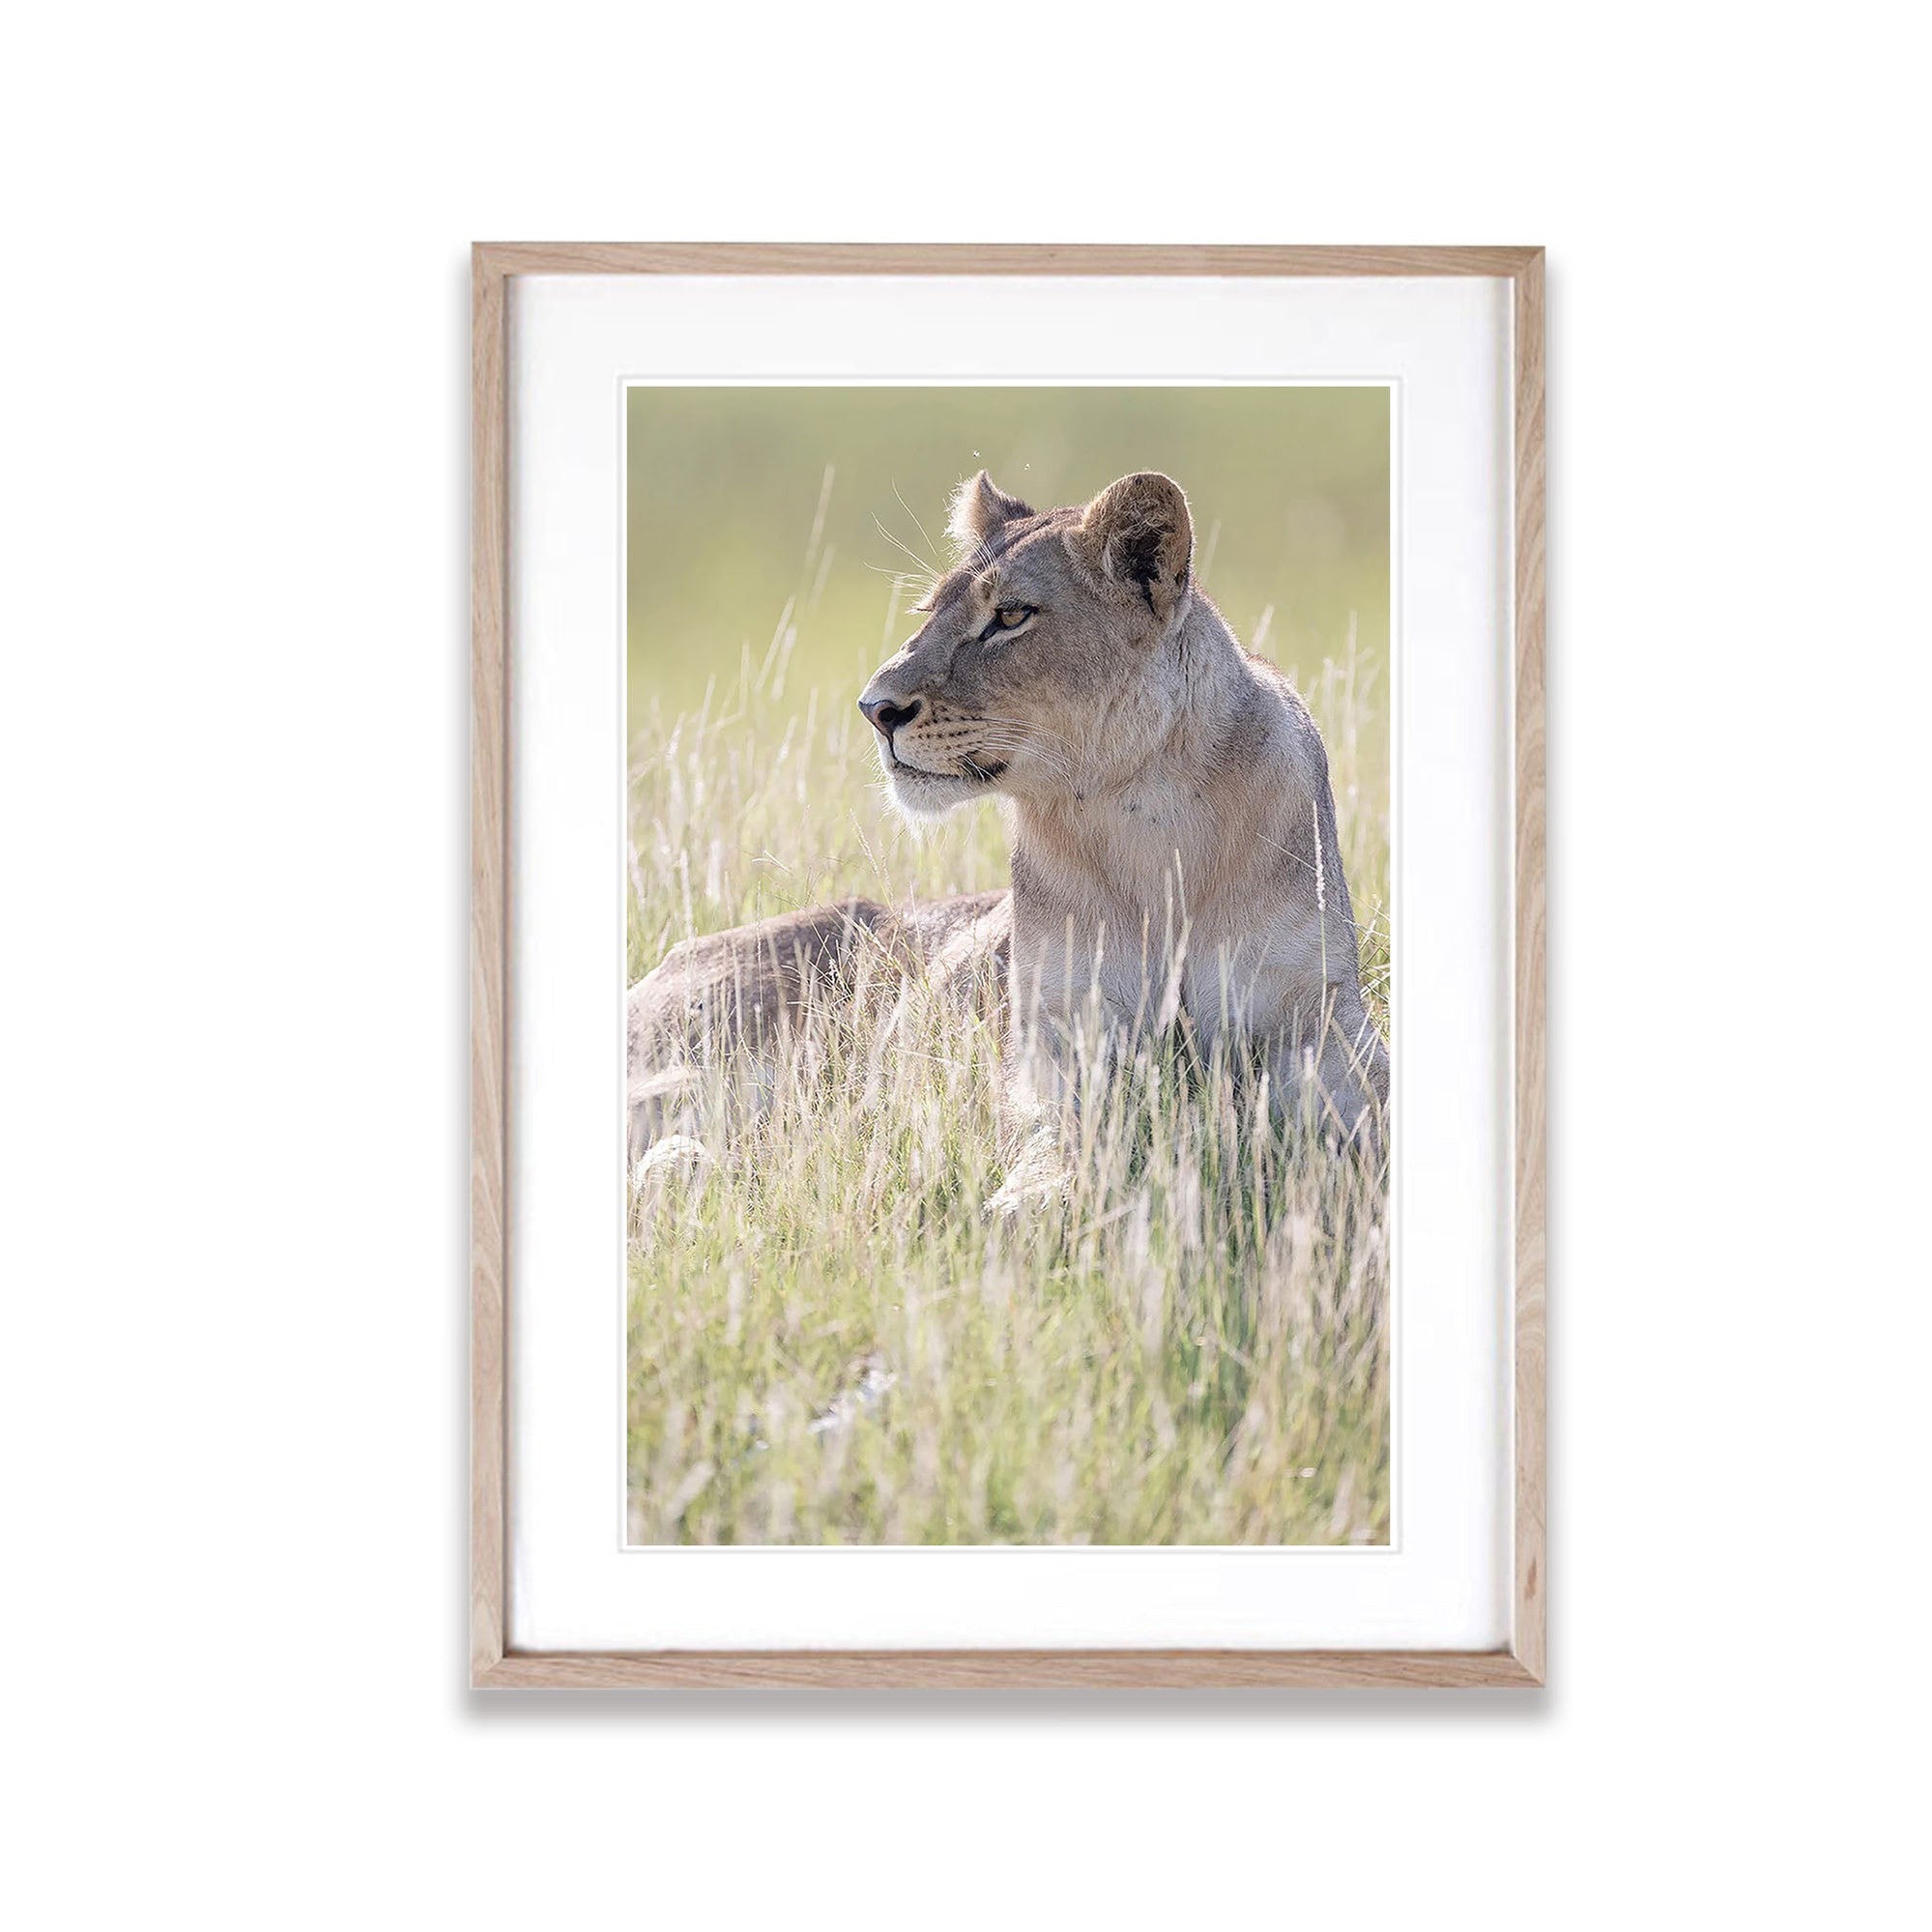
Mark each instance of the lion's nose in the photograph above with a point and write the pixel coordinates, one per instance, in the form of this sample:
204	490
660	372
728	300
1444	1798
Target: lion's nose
886	717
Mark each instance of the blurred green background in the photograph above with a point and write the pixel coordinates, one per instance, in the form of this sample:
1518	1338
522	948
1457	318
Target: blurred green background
745	500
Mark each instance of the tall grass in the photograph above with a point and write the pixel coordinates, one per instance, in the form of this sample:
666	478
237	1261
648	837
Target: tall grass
833	1338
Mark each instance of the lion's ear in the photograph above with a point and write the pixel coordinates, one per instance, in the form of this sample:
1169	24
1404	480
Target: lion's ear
1138	533
980	506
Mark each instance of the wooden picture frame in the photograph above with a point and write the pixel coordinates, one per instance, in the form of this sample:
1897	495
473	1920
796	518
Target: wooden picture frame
492	1663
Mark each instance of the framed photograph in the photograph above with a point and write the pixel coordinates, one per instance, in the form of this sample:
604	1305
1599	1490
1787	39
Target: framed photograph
1008	963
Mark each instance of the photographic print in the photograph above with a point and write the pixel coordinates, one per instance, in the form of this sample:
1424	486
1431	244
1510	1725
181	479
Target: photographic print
1008	943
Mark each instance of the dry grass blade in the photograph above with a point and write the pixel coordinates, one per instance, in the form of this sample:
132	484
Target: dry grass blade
833	1337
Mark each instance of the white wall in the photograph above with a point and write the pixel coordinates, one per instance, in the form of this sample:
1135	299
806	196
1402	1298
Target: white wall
232	800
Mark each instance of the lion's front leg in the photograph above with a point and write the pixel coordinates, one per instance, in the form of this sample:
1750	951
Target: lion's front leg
1038	1115
1058	1064
1330	1081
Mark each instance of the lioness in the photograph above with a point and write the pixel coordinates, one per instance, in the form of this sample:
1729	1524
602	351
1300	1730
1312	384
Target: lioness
1174	856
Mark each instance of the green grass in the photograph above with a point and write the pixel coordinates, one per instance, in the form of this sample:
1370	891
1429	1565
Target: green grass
832	1339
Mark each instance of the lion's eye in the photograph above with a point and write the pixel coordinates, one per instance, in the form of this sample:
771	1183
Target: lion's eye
1009	617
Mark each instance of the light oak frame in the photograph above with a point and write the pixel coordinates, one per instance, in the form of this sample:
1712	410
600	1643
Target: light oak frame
491	1664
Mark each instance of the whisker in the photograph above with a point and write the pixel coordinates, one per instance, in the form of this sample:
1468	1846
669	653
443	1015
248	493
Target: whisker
923	532
926	574
1032	730
1008	741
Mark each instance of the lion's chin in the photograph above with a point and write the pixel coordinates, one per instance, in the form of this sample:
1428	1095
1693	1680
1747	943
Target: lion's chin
931	794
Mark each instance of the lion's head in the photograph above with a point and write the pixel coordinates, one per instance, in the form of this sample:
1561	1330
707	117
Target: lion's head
1038	666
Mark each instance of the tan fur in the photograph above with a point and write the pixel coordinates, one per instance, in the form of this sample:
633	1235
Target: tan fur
1175	846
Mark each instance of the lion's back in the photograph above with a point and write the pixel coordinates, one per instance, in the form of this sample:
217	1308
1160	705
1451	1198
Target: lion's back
747	982
739	993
